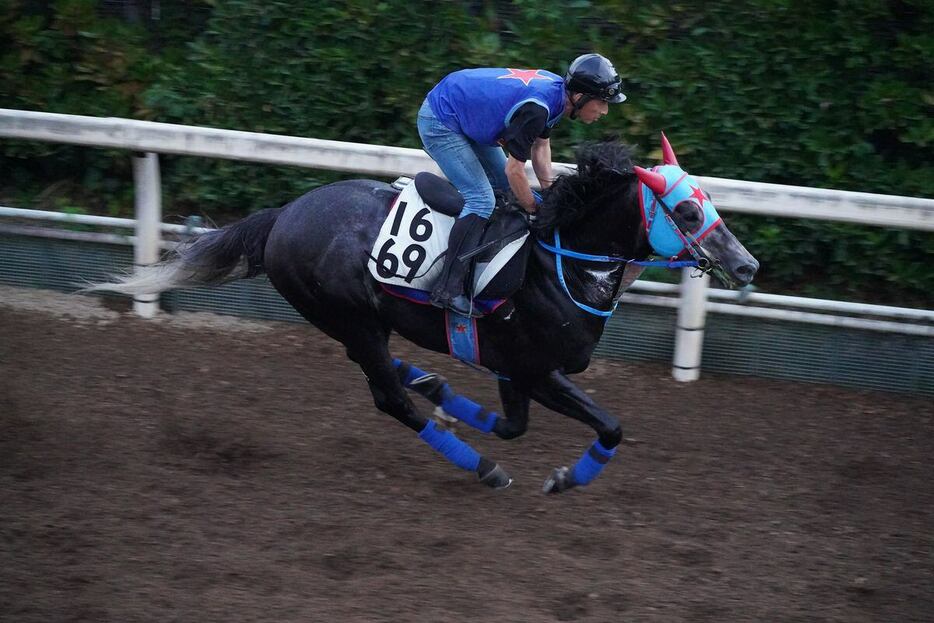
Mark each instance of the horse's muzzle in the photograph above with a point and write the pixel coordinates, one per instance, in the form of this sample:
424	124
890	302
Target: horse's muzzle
745	272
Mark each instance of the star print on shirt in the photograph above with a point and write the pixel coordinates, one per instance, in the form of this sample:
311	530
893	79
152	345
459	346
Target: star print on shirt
525	75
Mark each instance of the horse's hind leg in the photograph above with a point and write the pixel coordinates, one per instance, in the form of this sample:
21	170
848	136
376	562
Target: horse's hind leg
559	394
367	345
370	351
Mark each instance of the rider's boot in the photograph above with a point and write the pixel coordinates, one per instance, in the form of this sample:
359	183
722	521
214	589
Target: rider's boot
449	290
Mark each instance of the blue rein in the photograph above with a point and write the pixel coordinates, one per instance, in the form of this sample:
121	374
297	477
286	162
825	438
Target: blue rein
560	252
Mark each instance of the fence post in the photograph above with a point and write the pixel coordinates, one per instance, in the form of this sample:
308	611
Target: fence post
689	335
148	203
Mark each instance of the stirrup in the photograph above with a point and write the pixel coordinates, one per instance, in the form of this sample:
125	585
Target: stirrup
463	305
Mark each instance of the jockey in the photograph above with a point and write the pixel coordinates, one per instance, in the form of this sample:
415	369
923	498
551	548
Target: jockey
472	115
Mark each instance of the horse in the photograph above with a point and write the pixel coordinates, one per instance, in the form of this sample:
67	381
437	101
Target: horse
592	234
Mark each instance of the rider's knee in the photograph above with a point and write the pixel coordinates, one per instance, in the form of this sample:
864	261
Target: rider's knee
479	201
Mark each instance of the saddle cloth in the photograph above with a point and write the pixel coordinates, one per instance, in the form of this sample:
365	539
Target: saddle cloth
409	251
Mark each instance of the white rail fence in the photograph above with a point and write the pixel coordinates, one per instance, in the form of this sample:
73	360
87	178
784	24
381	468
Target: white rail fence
149	138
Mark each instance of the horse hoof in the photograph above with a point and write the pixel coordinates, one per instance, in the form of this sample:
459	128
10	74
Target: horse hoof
558	481
496	478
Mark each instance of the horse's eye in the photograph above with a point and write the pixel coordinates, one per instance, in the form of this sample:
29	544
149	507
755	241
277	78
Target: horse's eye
709	197
691	215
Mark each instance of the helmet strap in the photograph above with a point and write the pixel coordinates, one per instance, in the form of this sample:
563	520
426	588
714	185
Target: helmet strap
580	103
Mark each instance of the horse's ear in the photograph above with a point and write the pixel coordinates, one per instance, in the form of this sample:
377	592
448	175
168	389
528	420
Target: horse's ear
655	181
668	154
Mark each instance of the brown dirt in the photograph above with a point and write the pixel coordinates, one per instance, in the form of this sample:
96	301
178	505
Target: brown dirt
210	470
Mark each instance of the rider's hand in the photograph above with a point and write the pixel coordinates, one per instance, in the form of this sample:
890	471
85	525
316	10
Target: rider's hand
537	201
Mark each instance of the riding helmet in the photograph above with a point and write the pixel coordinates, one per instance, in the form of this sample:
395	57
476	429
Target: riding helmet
595	76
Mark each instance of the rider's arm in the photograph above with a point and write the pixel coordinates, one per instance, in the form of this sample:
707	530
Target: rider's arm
541	161
519	183
526	136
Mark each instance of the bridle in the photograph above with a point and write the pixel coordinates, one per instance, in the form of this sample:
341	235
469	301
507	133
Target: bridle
689	243
560	252
657	188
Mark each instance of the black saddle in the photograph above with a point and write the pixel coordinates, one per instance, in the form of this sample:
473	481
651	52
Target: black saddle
439	194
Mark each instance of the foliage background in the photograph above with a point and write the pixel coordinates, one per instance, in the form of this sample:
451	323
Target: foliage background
824	93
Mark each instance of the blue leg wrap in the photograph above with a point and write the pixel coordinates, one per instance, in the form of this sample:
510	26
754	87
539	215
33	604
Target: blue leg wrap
453	449
591	464
413	373
466	410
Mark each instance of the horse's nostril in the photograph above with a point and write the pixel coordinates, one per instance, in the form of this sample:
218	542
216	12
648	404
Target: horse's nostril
747	271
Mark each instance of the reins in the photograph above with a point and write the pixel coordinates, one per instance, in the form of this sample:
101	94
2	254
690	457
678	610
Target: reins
560	252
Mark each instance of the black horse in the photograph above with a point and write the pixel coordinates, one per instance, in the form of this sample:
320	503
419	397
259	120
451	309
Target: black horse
314	251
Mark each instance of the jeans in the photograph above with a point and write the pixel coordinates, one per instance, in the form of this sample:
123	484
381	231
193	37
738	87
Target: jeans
474	169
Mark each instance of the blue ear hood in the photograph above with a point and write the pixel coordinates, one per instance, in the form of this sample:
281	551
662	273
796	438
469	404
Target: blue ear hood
664	236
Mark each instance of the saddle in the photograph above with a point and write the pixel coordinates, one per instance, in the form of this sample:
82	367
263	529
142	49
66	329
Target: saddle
407	256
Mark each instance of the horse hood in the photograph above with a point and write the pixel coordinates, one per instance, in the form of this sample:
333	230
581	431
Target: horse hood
656	209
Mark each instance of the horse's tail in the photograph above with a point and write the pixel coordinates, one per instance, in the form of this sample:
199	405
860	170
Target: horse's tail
212	258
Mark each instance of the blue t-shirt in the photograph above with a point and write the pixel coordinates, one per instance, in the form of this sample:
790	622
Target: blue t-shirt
480	103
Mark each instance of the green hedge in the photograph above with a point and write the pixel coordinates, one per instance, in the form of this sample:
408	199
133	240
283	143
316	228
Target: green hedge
824	94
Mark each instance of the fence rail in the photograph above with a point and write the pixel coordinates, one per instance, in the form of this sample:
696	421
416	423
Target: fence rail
757	305
150	138
166	138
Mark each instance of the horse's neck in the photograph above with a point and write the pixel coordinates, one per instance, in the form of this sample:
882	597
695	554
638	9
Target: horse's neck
615	231
618	233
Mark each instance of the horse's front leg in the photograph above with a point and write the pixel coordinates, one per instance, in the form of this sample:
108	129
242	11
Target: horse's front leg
436	389
516	409
559	394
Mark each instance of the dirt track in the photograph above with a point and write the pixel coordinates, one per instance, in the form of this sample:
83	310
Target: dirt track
204	469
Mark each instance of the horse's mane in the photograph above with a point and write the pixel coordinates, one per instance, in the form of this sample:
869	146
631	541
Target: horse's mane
602	168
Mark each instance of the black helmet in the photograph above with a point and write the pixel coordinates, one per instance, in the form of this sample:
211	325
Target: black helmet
594	76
